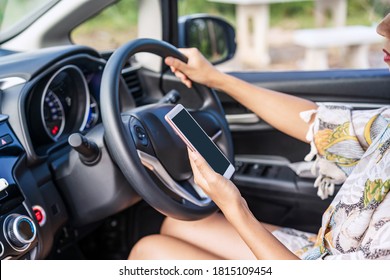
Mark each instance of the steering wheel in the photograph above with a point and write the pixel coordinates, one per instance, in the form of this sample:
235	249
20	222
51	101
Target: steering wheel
151	156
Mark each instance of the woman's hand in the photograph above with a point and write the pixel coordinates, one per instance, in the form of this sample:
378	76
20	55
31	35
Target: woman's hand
197	69
221	190
228	198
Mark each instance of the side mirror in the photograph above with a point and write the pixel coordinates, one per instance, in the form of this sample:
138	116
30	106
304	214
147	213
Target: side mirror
213	36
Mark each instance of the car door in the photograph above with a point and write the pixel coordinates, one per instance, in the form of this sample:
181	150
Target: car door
270	168
266	158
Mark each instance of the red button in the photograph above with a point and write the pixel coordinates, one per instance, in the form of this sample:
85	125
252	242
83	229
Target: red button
40	214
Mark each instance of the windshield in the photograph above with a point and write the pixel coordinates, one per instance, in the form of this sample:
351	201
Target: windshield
16	15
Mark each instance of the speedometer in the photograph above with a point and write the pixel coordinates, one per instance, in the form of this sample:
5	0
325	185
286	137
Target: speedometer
54	115
65	103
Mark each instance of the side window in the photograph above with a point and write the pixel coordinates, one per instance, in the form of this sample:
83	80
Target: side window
111	28
299	35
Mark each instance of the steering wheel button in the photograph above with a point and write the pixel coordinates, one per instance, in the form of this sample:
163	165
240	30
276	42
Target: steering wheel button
140	132
141	135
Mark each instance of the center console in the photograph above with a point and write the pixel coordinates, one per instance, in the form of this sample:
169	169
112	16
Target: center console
31	209
18	234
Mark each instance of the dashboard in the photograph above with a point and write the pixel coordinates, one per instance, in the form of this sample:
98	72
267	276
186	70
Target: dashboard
47	191
46	96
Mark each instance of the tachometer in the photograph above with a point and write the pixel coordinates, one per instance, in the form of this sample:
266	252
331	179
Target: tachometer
53	114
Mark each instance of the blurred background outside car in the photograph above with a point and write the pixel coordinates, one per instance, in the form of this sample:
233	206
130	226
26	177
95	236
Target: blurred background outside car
269	32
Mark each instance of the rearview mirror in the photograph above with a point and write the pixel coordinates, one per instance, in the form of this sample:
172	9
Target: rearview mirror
213	36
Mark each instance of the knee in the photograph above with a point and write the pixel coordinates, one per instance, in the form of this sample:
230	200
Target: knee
168	226
178	228
145	248
175	228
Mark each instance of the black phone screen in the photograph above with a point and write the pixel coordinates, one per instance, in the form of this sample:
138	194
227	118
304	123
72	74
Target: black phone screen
202	143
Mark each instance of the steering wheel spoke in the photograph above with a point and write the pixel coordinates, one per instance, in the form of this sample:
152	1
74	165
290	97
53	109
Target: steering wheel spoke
154	165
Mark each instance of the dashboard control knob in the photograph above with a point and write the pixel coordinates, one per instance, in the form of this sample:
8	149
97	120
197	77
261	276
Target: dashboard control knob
21	230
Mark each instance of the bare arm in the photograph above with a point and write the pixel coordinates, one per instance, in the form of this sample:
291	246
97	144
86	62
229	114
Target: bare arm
278	109
228	198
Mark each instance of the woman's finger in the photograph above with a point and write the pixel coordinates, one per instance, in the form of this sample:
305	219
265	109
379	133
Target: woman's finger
187	82
176	63
203	167
198	177
183	77
180	75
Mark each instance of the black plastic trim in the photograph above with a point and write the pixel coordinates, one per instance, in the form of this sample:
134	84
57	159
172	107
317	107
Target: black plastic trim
169	10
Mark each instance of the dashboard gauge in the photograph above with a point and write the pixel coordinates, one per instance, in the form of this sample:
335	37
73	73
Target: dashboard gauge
54	115
65	103
93	113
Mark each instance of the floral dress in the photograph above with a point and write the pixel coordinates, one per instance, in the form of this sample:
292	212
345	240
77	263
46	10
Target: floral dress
349	147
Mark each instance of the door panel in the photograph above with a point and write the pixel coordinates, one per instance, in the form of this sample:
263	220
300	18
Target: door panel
364	89
275	193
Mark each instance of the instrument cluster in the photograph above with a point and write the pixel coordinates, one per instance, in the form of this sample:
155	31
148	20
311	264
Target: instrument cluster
65	103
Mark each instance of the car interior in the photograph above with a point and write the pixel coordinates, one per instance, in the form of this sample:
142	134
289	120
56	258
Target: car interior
88	164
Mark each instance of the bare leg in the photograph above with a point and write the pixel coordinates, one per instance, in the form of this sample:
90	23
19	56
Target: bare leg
161	247
213	234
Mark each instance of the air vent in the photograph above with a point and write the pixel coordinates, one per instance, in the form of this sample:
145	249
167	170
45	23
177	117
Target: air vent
132	81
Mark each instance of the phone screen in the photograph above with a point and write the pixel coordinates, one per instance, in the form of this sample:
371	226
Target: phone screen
202	143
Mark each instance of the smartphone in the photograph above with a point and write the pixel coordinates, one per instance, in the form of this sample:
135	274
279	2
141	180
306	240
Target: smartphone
196	139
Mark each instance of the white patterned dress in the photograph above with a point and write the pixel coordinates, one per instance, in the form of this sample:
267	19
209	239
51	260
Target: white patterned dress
351	147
